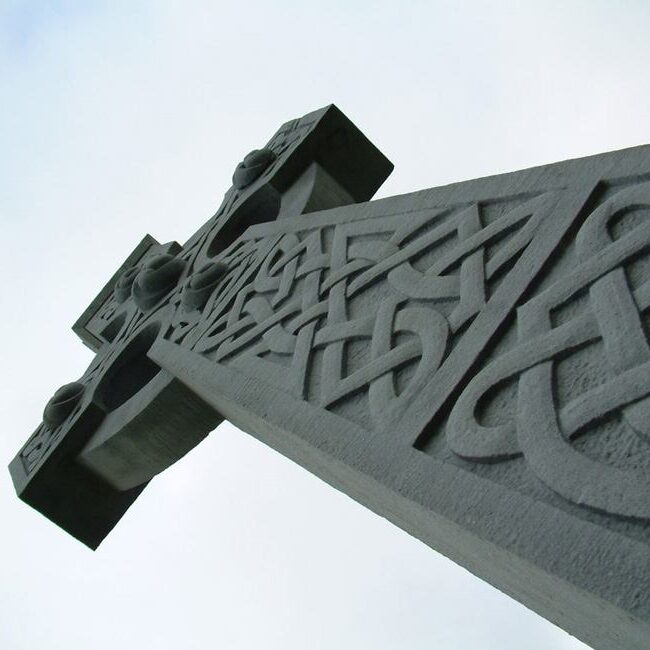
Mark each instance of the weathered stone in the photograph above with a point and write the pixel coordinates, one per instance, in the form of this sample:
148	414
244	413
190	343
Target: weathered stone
201	284
62	403
124	284
158	276
469	361
252	167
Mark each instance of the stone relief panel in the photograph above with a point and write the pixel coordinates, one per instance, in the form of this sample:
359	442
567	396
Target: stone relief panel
355	316
570	393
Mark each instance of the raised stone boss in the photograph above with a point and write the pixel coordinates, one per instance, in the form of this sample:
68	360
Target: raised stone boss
469	361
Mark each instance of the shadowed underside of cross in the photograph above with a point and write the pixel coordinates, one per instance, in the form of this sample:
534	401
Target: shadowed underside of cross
470	361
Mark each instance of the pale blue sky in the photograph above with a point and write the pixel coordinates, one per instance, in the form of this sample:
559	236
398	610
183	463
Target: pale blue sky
121	118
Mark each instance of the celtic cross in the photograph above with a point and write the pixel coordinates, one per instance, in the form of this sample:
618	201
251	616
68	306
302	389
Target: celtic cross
469	361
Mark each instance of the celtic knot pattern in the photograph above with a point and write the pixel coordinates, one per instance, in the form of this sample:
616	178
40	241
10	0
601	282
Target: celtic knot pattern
367	309
608	330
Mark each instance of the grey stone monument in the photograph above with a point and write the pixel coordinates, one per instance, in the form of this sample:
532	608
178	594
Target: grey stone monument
470	362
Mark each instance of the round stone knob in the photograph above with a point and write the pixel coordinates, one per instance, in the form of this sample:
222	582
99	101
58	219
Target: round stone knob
124	283
200	285
252	167
157	277
62	403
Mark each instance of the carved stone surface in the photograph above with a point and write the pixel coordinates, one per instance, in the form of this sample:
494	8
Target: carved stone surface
470	361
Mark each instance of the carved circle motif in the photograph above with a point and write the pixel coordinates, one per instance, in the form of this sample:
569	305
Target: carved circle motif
62	404
158	275
124	284
200	285
252	167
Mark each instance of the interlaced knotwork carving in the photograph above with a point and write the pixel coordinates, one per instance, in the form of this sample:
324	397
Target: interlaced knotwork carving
544	426
368	306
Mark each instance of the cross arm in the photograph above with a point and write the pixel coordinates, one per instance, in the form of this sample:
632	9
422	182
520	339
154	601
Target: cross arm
105	435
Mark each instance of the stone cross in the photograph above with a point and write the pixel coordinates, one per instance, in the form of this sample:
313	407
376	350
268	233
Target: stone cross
469	361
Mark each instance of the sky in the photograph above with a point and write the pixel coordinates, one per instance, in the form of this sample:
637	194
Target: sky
124	118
